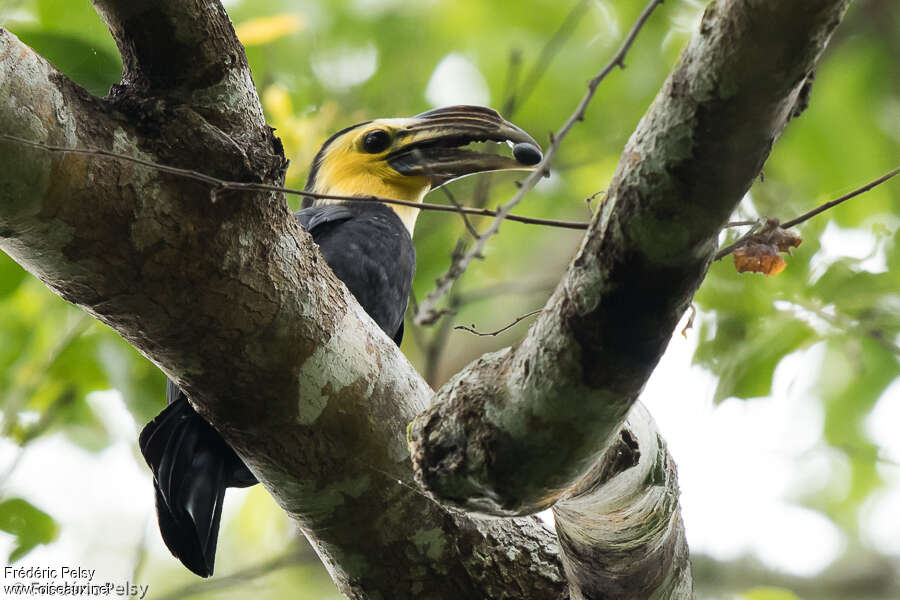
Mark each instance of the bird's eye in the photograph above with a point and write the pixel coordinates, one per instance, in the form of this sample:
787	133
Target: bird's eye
376	141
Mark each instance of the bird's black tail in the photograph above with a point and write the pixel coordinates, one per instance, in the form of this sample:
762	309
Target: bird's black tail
192	465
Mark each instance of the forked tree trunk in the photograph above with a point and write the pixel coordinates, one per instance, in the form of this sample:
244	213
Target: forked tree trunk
232	300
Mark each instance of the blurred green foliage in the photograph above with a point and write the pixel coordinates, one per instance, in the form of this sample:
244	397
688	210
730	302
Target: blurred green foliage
770	593
30	525
51	357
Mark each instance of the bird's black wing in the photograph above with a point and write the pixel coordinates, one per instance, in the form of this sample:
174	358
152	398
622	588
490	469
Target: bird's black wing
369	249
192	466
188	460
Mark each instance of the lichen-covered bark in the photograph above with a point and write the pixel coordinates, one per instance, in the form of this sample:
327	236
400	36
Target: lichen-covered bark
234	303
184	51
516	429
620	528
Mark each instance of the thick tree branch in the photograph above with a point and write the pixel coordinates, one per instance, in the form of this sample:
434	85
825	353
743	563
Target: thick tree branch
523	428
428	313
620	528
217	186
233	301
484	445
185	51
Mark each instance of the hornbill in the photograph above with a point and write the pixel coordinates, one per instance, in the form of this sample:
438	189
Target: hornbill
369	247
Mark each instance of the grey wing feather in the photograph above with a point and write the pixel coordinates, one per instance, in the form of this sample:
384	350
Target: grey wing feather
312	217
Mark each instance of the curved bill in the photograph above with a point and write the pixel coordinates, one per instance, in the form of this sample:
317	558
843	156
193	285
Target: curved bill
431	145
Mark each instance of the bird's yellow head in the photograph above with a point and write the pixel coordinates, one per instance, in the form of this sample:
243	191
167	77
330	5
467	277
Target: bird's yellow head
406	158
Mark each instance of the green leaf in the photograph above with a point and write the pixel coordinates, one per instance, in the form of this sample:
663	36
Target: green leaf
744	352
856	292
74	16
30	525
93	68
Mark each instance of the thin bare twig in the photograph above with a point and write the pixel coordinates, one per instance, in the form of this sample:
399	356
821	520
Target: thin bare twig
723	252
502	329
591	198
434	352
819	209
755	225
469	227
214	182
427	310
417	333
217	186
435	346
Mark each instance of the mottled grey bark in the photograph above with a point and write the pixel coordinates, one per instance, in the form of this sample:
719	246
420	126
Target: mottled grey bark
570	383
232	300
517	429
620	527
234	303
